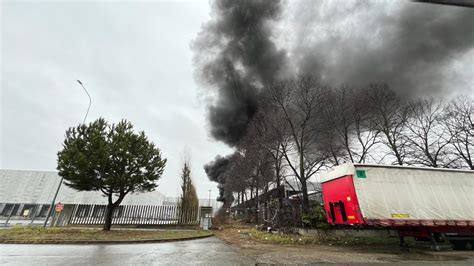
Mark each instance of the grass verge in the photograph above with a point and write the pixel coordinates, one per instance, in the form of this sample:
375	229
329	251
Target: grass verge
286	239
57	235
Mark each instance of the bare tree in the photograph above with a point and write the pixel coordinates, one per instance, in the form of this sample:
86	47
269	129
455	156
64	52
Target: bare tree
331	144
238	174
234	180
366	132
348	118
257	159
339	124
459	122
390	116
268	130
300	101
427	136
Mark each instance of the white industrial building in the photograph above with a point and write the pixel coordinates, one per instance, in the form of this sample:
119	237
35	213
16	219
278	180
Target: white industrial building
27	195
38	187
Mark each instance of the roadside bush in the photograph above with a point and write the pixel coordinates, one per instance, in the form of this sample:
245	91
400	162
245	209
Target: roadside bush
316	218
295	239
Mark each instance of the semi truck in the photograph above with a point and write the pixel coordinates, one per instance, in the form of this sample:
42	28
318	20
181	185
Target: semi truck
431	204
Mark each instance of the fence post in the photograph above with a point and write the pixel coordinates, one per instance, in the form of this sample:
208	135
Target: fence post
34	214
73	211
11	214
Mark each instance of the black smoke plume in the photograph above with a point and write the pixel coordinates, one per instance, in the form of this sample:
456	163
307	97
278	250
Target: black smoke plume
416	48
217	171
235	55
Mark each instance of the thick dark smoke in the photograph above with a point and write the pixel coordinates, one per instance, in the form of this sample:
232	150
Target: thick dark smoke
416	48
235	55
217	171
413	47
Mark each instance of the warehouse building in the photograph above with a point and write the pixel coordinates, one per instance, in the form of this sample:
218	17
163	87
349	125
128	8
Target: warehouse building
26	196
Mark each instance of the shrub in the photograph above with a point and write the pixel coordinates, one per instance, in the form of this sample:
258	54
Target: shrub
316	218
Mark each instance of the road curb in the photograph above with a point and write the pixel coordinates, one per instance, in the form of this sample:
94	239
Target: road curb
108	242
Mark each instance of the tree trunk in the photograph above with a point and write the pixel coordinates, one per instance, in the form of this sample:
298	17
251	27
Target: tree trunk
257	205
108	217
394	149
304	188
399	158
305	202
265	203
110	209
280	195
278	183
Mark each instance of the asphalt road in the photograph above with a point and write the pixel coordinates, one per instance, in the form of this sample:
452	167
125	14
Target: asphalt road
207	251
213	251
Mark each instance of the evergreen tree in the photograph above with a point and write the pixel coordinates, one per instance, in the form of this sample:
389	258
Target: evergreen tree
110	158
189	201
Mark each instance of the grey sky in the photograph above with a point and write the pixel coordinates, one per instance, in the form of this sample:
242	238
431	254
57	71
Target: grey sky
135	60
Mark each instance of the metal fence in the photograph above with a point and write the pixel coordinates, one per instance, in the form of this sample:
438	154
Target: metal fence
92	214
132	214
22	213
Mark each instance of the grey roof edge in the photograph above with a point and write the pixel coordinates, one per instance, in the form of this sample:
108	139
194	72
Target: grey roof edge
410	167
29	170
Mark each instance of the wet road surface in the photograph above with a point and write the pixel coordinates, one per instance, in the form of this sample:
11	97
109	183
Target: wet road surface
207	251
213	251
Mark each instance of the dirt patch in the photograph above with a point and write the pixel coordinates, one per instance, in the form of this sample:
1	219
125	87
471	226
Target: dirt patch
264	251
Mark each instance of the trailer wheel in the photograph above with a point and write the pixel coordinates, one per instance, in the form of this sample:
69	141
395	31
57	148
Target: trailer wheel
458	244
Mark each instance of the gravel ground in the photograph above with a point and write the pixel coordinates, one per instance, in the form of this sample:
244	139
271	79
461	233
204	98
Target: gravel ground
320	254
233	248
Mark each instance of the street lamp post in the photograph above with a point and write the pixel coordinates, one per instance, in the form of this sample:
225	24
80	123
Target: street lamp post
50	210
90	100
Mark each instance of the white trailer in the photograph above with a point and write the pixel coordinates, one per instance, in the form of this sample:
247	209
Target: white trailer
422	202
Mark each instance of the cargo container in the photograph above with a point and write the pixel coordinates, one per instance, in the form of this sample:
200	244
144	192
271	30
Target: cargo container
426	203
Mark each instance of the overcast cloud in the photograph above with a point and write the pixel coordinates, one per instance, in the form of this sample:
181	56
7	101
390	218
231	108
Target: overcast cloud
134	59
419	49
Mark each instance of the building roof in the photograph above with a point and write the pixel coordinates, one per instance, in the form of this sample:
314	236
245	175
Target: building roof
24	186
292	184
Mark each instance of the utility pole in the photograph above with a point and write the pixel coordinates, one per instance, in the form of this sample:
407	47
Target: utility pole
51	207
50	210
